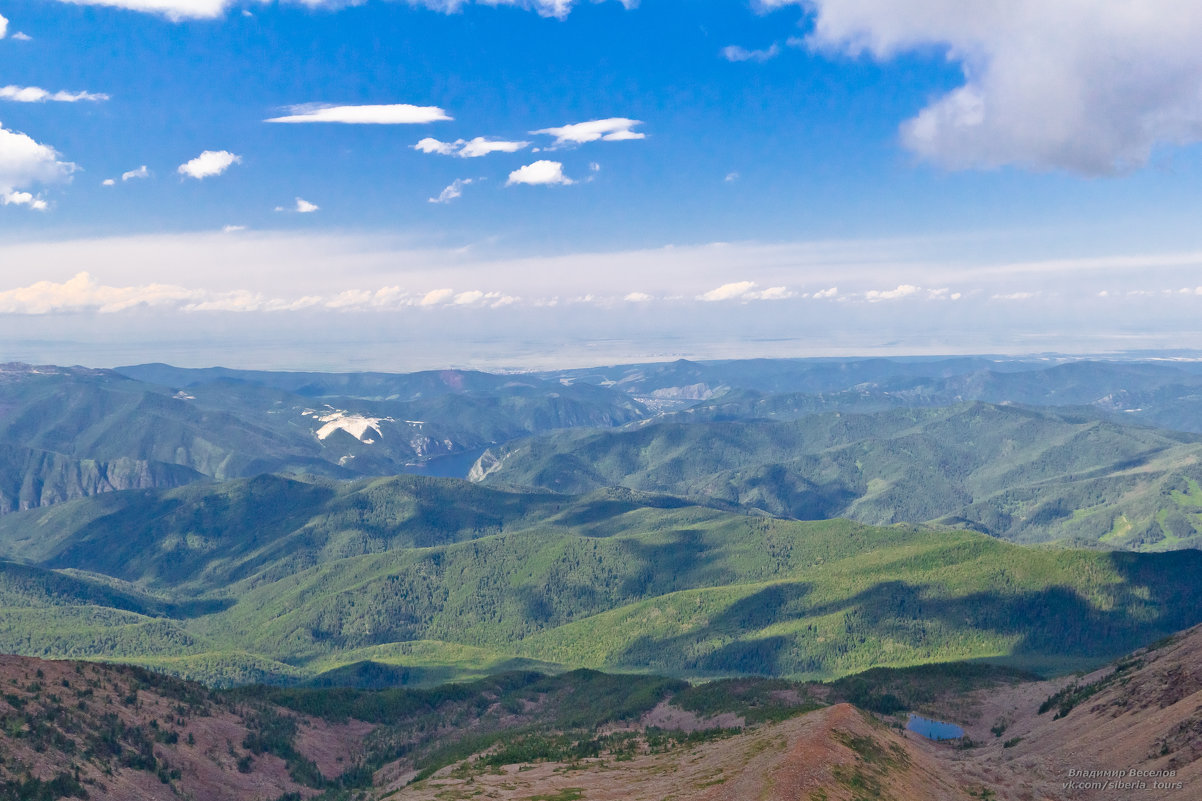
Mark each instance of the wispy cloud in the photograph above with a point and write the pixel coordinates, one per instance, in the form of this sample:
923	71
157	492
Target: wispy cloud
736	53
36	94
208	164
612	129
540	173
177	10
394	114
133	175
452	192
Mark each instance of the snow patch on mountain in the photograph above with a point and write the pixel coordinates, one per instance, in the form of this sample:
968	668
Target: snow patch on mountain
363	428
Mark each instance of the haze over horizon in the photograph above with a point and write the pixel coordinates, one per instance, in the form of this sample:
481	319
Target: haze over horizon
403	185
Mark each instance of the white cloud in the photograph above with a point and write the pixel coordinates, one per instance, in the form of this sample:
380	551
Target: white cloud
394	114
638	297
16	198
22	37
133	175
613	129
174	10
83	293
729	291
3	26
108	182
305	207
468	149
24	163
208	164
736	53
232	229
469	297
482	147
771	293
823	294
436	297
540	173
731	177
1090	86
177	10
1014	296
36	94
451	192
902	291
432	145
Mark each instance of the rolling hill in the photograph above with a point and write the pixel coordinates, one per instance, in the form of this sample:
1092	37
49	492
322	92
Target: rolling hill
278	579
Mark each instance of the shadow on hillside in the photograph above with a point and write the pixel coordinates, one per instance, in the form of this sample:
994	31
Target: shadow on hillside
1161	594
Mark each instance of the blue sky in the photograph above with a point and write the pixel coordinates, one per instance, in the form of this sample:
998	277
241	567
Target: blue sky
665	179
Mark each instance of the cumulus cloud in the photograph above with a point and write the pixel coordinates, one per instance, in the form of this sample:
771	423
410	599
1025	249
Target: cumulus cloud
468	149
22	37
613	129
394	114
638	297
451	192
305	207
108	182
432	145
824	294
1090	86
25	163
208	164
23	199
3	26
540	173
133	175
36	94
736	53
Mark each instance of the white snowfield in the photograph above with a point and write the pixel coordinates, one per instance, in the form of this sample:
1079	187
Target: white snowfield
356	425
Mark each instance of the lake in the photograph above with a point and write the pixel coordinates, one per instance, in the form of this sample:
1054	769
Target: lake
934	729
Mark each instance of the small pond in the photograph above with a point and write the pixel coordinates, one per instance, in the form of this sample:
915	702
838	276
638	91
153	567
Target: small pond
934	729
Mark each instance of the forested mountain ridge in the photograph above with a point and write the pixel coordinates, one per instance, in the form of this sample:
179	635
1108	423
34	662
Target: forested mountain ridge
1021	473
70	432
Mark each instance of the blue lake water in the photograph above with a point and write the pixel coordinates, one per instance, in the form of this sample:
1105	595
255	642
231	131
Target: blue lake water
934	729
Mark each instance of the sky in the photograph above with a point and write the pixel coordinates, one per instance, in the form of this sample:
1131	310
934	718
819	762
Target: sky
408	185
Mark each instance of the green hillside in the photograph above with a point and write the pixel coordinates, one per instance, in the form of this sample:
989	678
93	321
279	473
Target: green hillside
1028	475
277	580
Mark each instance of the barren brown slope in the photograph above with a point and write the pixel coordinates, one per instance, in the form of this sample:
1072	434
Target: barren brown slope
1142	714
835	753
115	732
